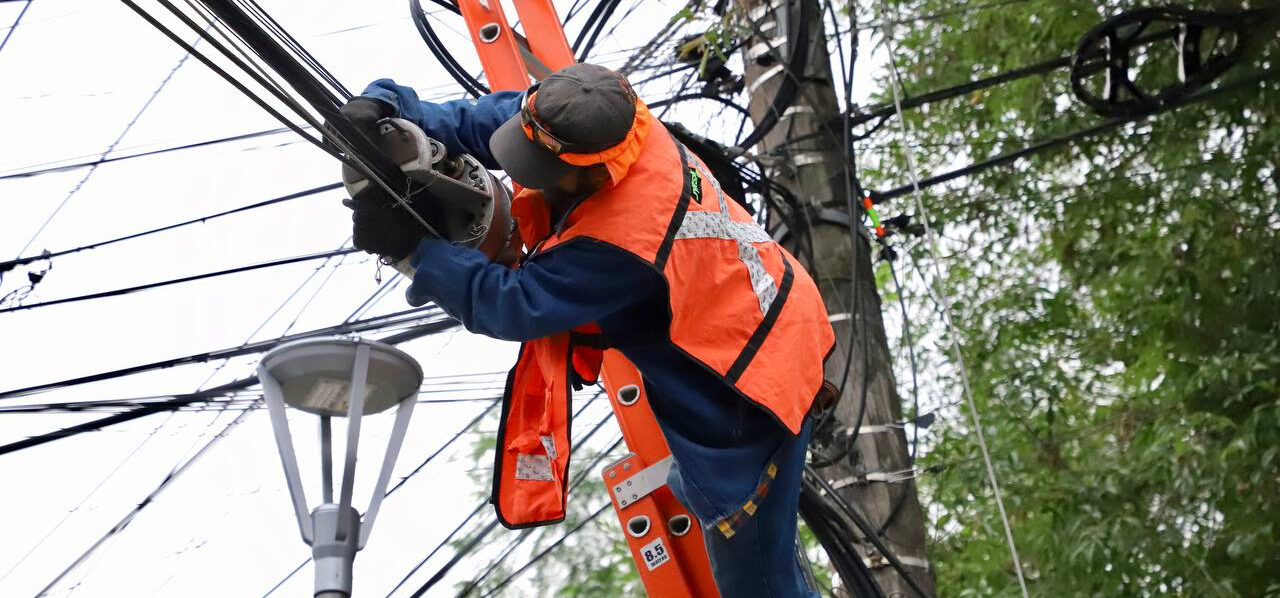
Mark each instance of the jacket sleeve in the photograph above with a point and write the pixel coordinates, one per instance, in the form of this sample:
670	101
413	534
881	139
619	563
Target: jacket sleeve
576	284
463	126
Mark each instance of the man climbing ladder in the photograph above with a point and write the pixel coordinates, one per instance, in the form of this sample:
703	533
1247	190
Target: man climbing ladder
633	246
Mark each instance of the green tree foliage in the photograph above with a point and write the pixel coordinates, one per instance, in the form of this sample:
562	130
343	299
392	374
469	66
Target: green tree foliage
1117	304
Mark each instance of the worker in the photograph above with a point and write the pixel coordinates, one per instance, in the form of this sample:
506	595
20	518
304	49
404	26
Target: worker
631	245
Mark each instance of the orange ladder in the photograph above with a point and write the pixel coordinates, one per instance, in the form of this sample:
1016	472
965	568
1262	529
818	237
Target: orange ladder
664	537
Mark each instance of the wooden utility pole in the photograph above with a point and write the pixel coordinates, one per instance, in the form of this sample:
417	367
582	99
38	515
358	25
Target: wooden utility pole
811	162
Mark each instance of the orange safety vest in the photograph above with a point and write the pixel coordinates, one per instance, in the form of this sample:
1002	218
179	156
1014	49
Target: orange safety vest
740	304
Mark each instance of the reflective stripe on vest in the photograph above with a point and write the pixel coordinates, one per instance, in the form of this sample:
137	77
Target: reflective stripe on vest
718	225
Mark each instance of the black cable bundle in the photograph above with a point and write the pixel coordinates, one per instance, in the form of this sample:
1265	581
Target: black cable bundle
469	83
834	533
241	30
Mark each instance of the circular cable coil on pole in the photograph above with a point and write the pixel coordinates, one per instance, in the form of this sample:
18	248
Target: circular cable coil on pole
1110	78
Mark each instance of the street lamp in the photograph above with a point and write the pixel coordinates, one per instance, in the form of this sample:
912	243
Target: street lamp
337	377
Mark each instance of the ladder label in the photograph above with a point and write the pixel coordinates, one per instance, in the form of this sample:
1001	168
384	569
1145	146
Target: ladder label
655	554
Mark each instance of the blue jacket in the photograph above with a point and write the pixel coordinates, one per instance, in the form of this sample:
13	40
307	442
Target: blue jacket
720	441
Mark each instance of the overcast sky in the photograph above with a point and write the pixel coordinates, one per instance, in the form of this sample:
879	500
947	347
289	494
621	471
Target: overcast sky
73	76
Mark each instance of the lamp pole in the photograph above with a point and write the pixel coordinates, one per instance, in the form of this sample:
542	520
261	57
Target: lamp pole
337	377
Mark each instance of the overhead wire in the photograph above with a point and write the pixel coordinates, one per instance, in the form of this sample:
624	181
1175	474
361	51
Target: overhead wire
546	551
948	320
179	469
181	280
125	460
267	40
14	26
1068	139
820	487
600	22
156	152
525	534
75	189
441	52
637	59
431	315
10	264
133	513
67	514
32	170
226	76
474	541
600	7
493	402
909	343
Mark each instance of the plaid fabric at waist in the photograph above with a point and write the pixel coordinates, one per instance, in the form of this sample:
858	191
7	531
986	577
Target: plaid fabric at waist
729	524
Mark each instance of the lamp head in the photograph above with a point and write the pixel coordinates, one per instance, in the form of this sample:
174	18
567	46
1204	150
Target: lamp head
315	375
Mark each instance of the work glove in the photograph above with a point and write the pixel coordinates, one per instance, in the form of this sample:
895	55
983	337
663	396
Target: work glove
382	226
365	113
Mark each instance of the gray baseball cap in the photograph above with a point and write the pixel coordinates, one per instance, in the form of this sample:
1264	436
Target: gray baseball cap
581	109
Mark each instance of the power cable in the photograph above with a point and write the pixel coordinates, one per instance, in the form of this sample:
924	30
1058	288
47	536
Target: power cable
618	23
438	49
230	401
368	324
165	283
494	402
548	550
793	65
14	26
279	308
273	48
128	127
609	7
181	401
473	423
101	161
228	77
373	299
636	60
133	513
525	534
250	404
67	515
820	487
177	471
35	171
915	396
1055	142
948	321
882	112
833	533
465	521
600	6
479	536
685	97
969	87
11	264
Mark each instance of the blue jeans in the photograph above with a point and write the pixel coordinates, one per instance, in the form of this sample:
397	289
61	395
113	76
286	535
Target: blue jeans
753	555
